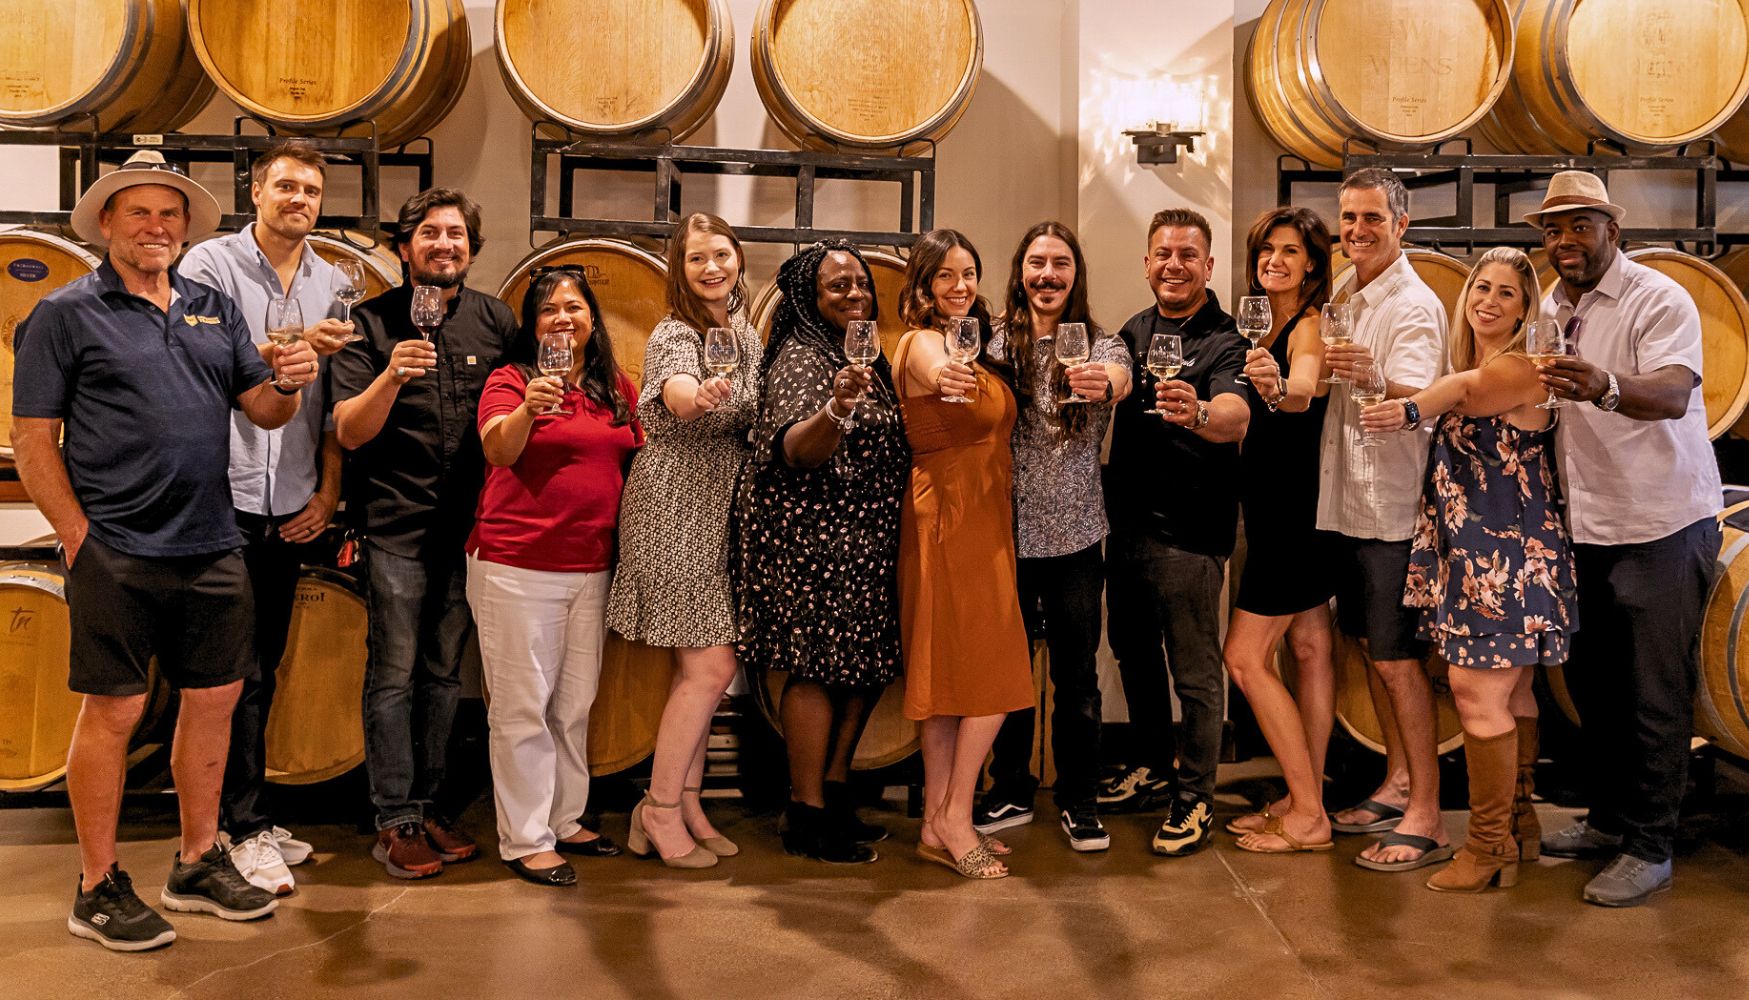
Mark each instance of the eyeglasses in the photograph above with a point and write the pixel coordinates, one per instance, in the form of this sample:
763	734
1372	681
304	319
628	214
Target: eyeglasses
546	269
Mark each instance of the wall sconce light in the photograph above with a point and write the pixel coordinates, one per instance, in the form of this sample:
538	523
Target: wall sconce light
1159	143
1180	107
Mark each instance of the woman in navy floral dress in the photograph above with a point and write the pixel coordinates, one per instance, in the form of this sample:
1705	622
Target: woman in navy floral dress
1491	566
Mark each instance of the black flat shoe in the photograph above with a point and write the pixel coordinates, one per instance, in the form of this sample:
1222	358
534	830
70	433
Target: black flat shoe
560	874
600	847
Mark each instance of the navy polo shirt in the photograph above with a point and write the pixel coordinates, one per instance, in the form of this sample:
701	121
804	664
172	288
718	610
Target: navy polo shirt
146	402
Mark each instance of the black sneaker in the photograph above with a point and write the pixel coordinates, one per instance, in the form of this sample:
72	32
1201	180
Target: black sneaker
999	814
212	884
117	919
1134	790
1186	830
1084	829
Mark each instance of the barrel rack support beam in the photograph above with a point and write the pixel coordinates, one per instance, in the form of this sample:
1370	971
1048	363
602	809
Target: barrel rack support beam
83	155
670	165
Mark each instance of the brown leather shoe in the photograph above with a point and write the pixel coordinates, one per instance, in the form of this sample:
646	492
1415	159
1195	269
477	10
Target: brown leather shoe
1489	855
451	844
404	852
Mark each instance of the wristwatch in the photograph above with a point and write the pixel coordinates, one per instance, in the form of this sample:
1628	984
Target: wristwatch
1109	392
1611	397
1411	414
1202	416
284	390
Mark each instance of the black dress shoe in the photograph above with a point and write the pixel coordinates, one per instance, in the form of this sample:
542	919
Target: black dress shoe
559	874
600	847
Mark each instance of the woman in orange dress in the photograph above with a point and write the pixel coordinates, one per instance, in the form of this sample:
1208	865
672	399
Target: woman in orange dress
966	663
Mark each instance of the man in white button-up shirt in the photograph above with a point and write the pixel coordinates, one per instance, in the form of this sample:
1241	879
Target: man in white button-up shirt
1642	489
1368	492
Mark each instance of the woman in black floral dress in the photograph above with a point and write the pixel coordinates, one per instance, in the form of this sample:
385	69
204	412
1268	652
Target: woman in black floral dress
818	542
1491	566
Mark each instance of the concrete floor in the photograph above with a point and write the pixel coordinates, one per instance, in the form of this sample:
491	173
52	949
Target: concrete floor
1123	924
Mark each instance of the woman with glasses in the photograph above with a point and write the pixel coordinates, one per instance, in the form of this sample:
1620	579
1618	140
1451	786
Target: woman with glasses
557	450
672	585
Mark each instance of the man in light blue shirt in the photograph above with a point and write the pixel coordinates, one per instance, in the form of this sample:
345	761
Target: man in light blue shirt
285	483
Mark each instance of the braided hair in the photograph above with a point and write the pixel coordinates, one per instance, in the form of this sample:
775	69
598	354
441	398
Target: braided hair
798	313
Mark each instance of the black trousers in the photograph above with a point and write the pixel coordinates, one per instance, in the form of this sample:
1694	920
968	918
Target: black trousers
1635	658
1158	594
273	566
1061	594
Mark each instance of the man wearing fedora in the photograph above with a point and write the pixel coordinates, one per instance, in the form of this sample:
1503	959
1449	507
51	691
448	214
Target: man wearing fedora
140	368
1637	431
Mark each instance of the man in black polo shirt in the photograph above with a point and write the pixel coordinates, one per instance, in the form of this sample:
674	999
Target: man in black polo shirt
1171	492
140	368
407	409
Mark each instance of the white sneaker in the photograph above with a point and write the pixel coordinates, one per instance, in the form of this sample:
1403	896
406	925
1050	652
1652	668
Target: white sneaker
259	861
293	850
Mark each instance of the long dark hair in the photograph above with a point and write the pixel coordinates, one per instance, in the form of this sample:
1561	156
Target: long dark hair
1315	286
798	312
683	303
917	304
1019	319
601	374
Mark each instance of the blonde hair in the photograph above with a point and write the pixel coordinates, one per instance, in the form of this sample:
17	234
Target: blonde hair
1463	339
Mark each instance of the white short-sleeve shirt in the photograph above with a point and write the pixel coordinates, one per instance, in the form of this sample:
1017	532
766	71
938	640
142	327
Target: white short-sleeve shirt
1374	492
1630	481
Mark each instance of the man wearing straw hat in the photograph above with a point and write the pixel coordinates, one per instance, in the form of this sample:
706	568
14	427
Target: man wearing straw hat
1637	432
141	367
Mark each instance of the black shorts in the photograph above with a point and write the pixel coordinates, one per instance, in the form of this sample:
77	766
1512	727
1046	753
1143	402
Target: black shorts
194	613
1370	575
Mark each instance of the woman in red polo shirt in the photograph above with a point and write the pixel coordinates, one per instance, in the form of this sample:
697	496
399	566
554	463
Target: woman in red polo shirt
539	562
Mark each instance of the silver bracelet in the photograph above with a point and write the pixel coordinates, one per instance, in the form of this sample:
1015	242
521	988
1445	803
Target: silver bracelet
845	422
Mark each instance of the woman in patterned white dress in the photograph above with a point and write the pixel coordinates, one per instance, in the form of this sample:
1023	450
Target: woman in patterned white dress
671	588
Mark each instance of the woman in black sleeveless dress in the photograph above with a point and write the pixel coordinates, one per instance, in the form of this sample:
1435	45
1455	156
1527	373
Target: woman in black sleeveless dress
1283	592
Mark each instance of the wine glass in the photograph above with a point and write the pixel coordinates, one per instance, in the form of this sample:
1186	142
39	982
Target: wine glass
1333	328
964	343
348	291
285	327
1254	321
1546	340
721	354
555	362
427	310
1367	389
1072	350
862	345
1165	360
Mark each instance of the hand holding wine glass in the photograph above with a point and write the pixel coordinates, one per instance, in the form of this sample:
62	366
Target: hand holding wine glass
964	343
555	362
862	346
1335	328
1545	341
1165	359
1367	387
722	355
1254	321
426	311
1072	349
285	330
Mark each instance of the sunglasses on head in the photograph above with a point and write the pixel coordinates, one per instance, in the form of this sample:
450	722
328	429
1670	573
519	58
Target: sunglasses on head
546	269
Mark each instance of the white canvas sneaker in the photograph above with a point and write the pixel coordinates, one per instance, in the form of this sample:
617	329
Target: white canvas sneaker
293	850
259	861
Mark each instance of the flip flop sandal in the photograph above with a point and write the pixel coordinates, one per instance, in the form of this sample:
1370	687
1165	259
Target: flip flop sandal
1276	827
1264	814
1432	853
1388	818
976	864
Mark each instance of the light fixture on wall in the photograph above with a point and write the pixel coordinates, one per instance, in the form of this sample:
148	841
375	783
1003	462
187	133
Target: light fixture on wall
1179	105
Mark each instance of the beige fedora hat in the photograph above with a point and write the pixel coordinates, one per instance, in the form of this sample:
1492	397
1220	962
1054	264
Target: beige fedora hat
1573	191
145	167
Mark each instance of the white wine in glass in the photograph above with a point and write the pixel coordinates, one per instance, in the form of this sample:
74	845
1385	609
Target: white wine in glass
1254	321
721	354
964	343
1165	359
555	362
1072	349
862	345
1334	329
285	327
1368	389
1546	340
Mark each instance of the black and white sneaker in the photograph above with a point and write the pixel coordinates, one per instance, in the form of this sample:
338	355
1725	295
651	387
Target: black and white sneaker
1134	790
213	885
999	814
1187	828
1085	831
117	919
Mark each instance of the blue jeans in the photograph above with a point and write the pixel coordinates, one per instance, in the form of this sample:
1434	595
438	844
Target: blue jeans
419	622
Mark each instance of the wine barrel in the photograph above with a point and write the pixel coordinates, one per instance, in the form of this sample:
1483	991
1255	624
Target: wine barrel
870	74
128	62
1648	75
315	730
888	271
1443	273
33	263
316	65
382	265
1397	74
653	68
888	738
1354	708
630	283
1721	697
629	699
1724	327
37	711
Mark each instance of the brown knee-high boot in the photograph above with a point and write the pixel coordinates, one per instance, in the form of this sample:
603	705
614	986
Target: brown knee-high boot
1489	855
1526	828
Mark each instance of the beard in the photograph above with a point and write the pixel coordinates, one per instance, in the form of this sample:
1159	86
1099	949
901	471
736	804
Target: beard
438	279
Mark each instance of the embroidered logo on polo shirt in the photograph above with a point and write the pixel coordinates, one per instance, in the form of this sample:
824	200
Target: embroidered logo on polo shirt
191	320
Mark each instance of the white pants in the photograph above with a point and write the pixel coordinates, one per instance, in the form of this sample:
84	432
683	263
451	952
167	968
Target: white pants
540	652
